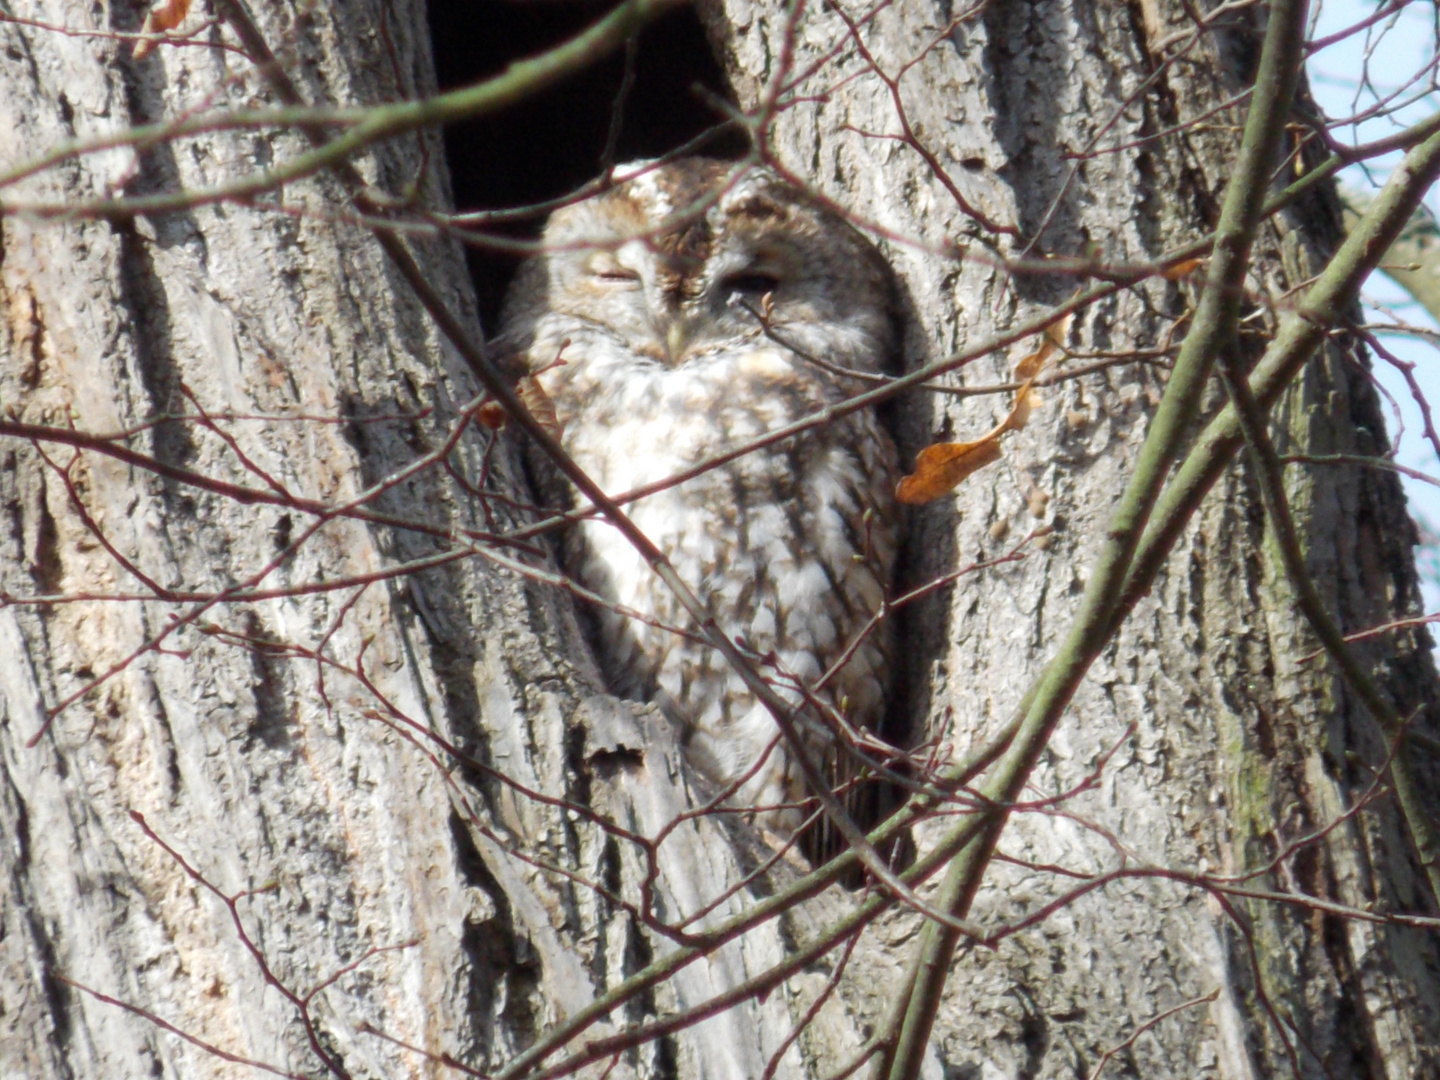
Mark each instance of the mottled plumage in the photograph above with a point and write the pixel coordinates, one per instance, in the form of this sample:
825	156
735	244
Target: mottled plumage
790	546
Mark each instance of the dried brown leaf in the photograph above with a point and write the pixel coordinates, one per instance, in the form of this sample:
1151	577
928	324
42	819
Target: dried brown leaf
1026	401
166	15
941	467
1184	268
492	415
1029	366
1059	330
1051	341
533	396
541	407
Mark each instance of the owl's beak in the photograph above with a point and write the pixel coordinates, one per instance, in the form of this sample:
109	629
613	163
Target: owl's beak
677	336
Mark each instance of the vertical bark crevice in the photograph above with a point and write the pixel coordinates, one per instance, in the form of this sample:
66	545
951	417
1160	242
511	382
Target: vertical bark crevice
502	974
143	299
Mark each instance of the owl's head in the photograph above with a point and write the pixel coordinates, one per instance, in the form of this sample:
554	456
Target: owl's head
675	260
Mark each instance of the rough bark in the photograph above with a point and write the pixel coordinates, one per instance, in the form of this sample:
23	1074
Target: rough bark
330	798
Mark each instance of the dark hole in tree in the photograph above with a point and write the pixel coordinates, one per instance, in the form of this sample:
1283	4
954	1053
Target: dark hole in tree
554	142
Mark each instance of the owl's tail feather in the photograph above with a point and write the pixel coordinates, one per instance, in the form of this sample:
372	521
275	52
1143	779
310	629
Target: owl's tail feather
868	798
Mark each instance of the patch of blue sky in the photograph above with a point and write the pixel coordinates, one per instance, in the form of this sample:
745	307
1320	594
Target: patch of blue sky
1384	78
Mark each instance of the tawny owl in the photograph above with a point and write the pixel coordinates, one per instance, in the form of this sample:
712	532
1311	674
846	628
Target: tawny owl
649	295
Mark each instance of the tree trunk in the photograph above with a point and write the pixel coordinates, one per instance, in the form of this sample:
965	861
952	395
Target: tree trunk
322	781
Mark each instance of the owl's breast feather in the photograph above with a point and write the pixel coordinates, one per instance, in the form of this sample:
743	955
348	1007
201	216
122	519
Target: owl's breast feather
765	365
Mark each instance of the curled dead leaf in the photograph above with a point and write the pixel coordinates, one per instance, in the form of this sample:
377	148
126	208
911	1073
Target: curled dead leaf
1183	268
941	467
1031	367
533	396
1026	401
492	415
1051	341
166	15
540	405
